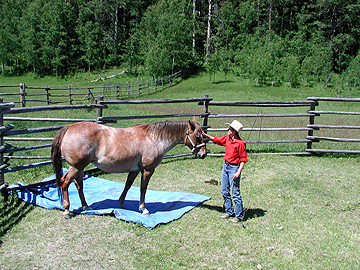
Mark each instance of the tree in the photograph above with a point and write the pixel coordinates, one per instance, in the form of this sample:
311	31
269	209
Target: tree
10	47
57	24
48	38
256	37
31	35
166	36
352	73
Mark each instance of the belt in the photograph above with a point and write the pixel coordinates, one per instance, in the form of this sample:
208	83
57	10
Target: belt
233	164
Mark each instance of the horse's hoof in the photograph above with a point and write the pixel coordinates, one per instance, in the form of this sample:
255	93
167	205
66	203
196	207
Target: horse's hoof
66	215
144	211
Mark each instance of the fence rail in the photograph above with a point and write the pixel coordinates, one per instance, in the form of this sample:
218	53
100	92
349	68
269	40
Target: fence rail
296	103
34	94
9	134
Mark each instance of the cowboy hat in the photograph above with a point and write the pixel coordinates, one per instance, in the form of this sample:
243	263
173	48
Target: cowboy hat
236	125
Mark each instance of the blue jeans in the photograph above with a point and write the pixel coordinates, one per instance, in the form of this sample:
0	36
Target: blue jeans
228	184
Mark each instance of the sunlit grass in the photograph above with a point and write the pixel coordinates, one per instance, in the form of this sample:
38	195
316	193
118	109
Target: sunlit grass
298	208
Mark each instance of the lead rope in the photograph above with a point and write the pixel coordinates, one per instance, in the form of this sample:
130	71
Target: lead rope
254	168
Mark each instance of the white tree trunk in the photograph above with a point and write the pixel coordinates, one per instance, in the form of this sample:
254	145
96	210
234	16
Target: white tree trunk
116	21
208	36
194	27
270	10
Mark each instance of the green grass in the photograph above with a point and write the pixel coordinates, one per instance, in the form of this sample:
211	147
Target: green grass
303	212
79	79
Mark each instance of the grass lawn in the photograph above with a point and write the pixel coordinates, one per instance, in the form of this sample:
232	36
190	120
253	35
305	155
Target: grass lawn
302	212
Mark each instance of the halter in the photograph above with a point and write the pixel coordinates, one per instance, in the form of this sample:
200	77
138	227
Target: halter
192	143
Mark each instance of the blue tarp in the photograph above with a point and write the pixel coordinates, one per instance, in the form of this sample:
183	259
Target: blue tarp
102	196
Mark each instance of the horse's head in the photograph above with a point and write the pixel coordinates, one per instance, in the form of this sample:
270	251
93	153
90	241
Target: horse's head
194	139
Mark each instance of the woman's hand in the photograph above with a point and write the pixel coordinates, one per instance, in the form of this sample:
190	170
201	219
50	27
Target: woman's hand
207	136
236	175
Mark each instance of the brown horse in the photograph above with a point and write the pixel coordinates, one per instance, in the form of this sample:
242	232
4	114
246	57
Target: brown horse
136	149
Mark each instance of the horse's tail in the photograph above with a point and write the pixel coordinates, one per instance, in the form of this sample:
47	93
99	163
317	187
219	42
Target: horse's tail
56	159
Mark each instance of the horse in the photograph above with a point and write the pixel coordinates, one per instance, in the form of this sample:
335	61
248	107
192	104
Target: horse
131	150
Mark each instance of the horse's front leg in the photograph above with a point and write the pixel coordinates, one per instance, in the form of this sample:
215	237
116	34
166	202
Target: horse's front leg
130	180
146	175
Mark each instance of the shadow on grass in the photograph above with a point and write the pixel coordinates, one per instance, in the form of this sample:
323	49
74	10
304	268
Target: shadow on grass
13	210
249	213
222	82
254	213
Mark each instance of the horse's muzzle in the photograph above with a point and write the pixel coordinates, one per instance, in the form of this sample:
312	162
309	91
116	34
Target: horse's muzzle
201	153
201	156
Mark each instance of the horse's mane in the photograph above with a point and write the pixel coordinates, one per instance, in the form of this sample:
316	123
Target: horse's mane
167	129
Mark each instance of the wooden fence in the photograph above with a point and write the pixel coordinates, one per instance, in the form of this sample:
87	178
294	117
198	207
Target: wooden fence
34	95
329	125
205	105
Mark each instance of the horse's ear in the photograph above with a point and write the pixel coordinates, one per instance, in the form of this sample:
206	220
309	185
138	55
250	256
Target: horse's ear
194	119
191	126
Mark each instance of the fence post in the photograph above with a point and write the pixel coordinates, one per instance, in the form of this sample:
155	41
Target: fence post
139	86
98	110
47	95
311	122
205	110
117	90
69	90
1	144
88	93
22	94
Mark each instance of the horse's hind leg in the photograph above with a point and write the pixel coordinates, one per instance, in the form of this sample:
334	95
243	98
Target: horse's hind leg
68	177
80	187
130	180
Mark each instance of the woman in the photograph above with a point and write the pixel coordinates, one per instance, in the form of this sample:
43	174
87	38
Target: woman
235	158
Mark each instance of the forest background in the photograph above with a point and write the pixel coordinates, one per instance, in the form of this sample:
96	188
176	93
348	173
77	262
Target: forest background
270	41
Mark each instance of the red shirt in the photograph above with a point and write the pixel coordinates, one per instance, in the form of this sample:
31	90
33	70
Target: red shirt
235	151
